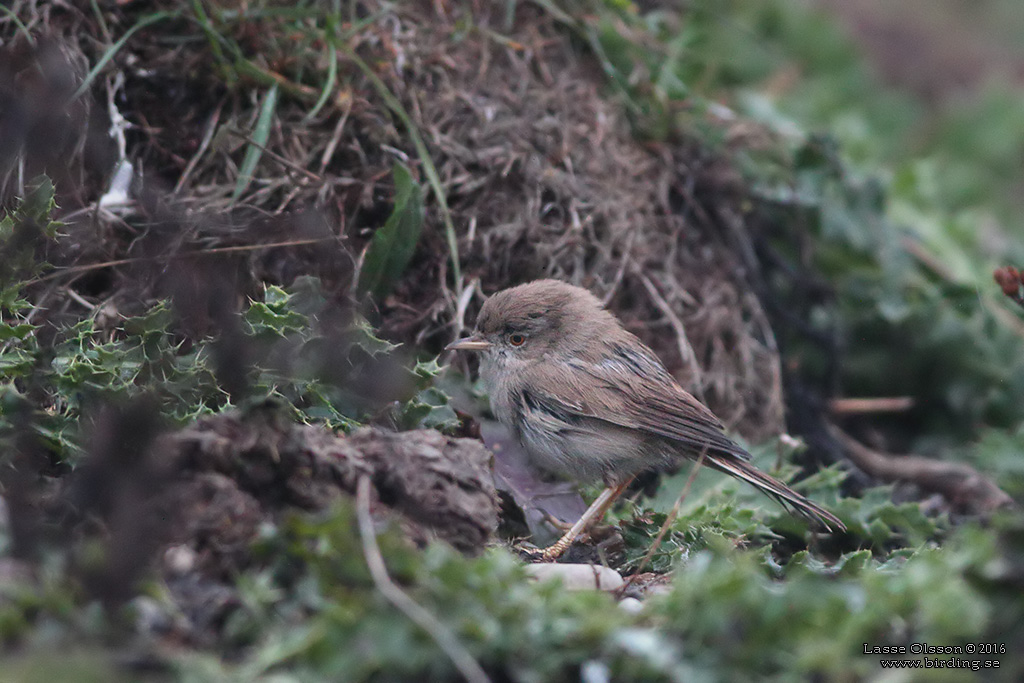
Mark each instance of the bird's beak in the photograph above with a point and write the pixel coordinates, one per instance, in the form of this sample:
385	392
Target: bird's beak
474	343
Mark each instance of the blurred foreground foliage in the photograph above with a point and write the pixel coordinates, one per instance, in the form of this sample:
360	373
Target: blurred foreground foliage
730	612
753	595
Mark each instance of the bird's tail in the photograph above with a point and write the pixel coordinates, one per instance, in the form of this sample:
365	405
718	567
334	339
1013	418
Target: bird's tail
771	486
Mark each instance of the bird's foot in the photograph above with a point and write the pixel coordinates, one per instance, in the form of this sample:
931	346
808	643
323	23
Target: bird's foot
528	554
558	548
549	554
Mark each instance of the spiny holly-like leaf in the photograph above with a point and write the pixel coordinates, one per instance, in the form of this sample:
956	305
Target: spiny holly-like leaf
426	371
428	409
19	332
274	315
35	207
23	235
38	205
364	338
156	319
393	245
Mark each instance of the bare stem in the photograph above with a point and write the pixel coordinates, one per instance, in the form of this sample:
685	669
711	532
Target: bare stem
445	639
669	521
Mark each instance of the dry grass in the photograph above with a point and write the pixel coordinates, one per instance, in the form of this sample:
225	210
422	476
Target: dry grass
540	168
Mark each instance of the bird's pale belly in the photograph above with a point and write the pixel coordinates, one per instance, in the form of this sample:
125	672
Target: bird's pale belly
587	455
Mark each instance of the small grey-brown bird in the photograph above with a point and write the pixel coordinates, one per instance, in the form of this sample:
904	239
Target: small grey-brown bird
589	400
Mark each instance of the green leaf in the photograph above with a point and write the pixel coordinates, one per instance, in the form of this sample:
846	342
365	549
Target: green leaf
428	409
156	319
15	363
39	203
264	318
429	168
365	339
8	332
393	245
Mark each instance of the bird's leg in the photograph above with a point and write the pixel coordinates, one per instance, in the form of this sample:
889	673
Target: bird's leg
556	522
594	514
554	551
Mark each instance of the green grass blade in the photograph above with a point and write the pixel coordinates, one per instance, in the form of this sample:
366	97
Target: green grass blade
212	36
332	80
429	169
113	49
260	135
18	24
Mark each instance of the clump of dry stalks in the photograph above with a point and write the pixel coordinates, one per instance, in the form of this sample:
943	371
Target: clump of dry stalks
540	170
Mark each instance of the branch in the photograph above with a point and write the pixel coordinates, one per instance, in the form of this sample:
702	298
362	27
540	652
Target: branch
960	484
888	404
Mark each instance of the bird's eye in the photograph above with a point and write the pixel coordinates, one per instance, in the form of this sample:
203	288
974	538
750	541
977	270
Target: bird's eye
516	339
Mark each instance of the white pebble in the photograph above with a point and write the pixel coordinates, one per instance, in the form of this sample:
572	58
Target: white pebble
631	605
578	576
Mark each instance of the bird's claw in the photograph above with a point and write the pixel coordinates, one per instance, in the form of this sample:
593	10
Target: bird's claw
549	554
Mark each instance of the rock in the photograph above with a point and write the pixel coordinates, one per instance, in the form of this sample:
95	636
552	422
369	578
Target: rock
631	605
578	576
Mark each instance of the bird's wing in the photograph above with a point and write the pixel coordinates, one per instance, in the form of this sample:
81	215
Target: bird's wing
636	392
625	393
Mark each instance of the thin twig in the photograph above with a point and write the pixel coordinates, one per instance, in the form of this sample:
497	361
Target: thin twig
463	304
929	260
960	484
887	404
669	521
275	156
332	144
627	257
686	352
446	640
183	254
81	300
204	144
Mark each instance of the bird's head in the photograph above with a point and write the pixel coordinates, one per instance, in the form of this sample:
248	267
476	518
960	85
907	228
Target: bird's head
538	318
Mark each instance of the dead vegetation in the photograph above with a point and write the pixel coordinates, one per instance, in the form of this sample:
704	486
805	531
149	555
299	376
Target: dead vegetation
541	172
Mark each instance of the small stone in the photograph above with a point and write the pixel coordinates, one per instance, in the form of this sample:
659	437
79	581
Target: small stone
578	576
179	559
631	605
594	671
